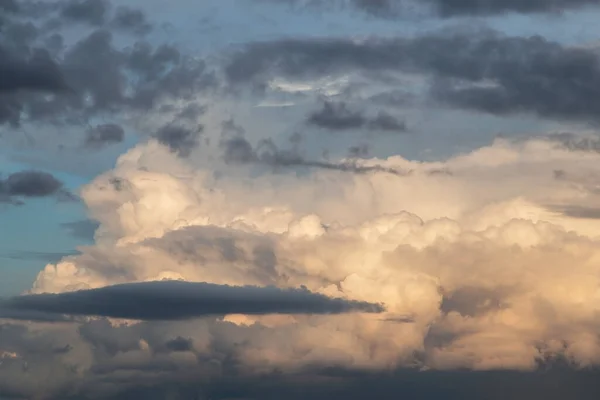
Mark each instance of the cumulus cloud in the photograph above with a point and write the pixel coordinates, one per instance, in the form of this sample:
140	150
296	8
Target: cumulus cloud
477	268
484	261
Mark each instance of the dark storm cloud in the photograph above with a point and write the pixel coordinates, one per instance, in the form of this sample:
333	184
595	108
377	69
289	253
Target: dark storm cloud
239	150
481	70
178	300
89	11
31	184
179	139
339	117
105	134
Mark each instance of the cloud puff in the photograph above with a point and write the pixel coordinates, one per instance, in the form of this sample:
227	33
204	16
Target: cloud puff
172	300
30	184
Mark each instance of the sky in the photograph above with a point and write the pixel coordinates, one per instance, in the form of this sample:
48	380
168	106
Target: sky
333	199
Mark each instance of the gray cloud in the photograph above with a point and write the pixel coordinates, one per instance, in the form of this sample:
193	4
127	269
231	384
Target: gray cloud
239	150
31	184
105	134
179	344
449	8
576	211
473	301
575	142
481	70
37	72
130	19
89	11
387	123
338	116
177	300
92	76
9	6
330	383
179	139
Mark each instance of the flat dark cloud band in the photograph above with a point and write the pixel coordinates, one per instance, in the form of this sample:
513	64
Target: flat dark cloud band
177	300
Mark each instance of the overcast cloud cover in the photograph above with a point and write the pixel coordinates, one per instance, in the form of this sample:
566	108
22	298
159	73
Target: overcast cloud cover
297	199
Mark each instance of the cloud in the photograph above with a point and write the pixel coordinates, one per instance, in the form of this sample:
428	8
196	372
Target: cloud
103	135
322	384
38	72
336	116
94	75
29	184
237	150
474	268
179	139
9	6
92	12
131	19
173	300
449	8
387	123
477	70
